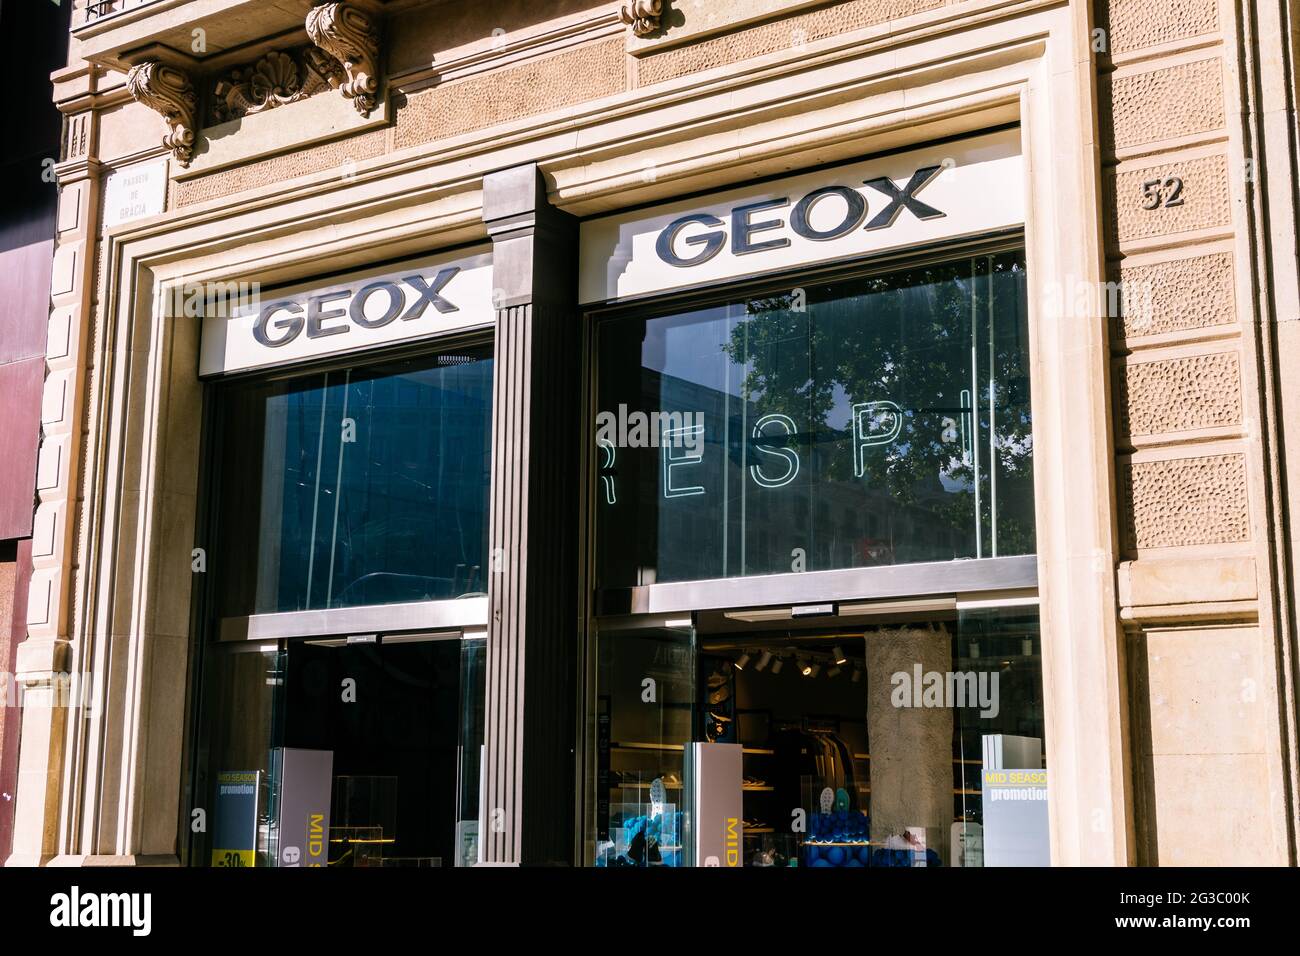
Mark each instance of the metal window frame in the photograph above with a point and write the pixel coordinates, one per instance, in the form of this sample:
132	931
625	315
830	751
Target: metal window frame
939	578
455	614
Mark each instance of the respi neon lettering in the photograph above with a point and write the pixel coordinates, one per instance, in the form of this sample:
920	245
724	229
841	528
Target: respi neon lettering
872	423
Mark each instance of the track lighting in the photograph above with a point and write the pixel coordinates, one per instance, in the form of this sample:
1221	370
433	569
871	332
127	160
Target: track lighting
763	660
839	655
857	675
814	670
805	668
777	665
834	671
742	660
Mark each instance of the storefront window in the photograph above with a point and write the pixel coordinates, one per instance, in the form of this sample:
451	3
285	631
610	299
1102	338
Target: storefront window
870	421
380	719
339	488
644	718
888	744
355	486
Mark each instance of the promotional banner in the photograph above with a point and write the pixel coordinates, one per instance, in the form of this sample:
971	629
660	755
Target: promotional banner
1015	818
306	779
234	825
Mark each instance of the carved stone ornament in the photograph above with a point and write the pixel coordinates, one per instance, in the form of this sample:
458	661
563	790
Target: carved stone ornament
642	16
350	36
274	80
168	92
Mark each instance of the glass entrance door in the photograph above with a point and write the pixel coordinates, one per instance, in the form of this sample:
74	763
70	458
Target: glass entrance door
386	711
355	740
644	720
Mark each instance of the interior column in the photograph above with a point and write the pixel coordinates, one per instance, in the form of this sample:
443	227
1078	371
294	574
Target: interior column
911	745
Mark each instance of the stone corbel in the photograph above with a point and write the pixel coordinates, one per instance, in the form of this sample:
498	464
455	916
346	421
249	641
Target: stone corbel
169	93
350	36
642	16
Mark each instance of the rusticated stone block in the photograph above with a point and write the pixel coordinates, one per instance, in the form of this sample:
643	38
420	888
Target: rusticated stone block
1136	24
1177	296
1185	501
528	89
1201	202
1161	104
1183	394
783	34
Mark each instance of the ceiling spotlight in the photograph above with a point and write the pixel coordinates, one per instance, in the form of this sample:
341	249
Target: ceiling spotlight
834	671
742	660
805	669
857	675
777	665
763	660
839	655
814	670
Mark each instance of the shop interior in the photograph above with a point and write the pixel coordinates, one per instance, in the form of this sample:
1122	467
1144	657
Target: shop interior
383	716
394	743
840	764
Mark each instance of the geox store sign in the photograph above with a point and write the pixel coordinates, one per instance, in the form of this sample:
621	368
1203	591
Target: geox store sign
921	196
356	313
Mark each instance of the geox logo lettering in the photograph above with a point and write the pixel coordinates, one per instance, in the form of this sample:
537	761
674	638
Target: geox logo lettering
77	909
744	226
279	323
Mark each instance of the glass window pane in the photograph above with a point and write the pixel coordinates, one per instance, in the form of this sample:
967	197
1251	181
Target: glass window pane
644	717
899	743
868	421
233	759
358	486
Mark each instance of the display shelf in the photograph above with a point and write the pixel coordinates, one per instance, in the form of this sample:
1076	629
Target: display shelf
643	786
633	745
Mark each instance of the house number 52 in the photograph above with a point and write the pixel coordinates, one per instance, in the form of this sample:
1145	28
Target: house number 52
1162	192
